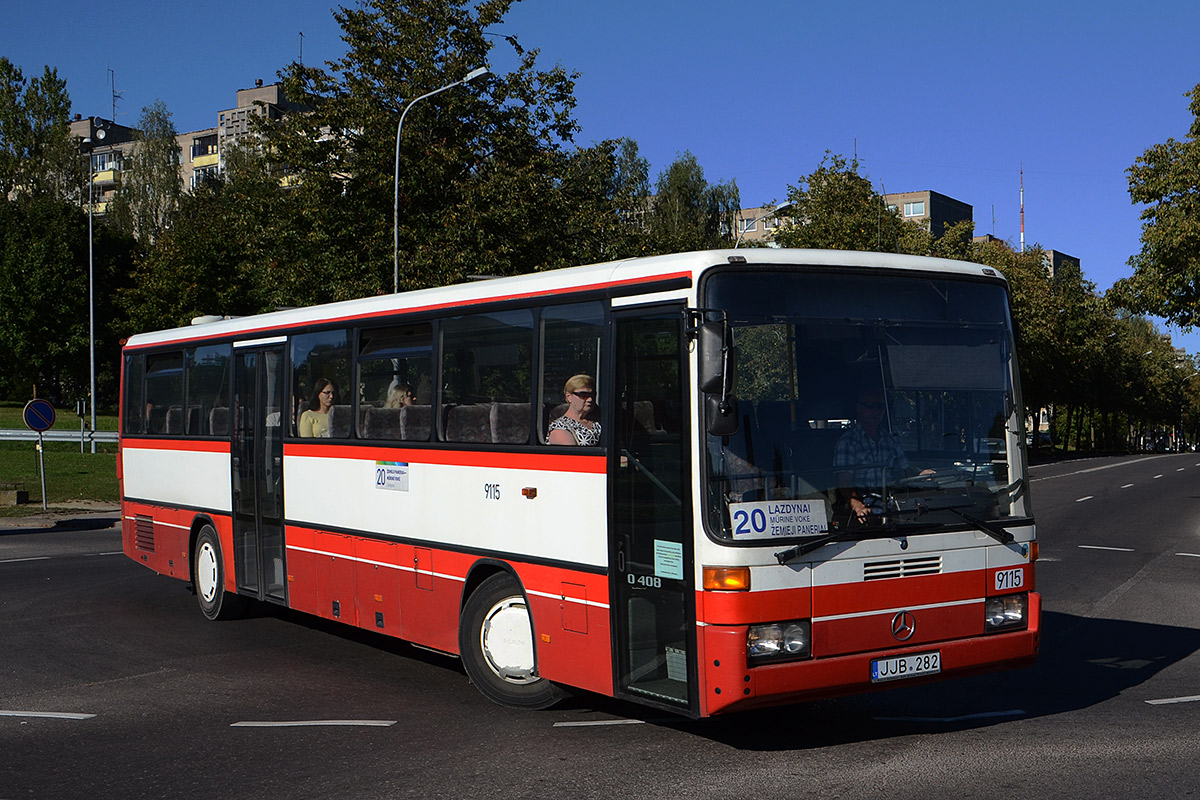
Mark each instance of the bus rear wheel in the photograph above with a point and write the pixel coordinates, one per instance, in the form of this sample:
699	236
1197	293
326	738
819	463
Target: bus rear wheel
495	638
208	576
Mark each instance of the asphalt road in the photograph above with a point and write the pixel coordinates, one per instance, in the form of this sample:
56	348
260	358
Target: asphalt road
152	701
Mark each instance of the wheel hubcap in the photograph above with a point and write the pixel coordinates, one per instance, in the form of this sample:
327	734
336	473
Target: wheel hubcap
507	641
206	572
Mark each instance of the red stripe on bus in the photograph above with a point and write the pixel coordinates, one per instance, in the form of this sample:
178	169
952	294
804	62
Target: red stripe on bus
595	465
191	445
251	332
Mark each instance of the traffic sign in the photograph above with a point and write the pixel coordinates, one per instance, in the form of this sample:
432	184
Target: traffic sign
39	415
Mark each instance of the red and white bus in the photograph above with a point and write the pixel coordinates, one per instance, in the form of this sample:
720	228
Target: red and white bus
726	544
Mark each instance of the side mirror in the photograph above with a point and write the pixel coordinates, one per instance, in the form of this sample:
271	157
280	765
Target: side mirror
716	354
721	415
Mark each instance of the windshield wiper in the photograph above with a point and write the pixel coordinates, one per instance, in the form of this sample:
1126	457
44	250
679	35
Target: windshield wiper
784	556
1001	535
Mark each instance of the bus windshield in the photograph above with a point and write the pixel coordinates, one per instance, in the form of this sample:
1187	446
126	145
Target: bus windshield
866	403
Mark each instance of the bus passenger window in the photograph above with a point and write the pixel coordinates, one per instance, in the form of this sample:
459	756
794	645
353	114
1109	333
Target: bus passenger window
395	382
320	361
486	367
571	336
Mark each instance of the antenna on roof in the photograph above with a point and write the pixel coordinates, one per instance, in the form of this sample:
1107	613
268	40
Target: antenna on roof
1022	207
302	48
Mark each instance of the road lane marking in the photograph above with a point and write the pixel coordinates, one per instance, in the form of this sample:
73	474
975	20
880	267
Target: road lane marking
1181	469
315	723
1082	499
17	560
1189	555
597	722
46	714
1159	475
1098	547
1170	700
1092	469
1014	712
1126	486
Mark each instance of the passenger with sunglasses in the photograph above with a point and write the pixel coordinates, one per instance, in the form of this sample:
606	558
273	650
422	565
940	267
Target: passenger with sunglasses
869	459
578	425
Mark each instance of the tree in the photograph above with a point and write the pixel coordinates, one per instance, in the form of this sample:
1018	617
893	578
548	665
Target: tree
38	158
482	168
688	213
150	187
837	208
1166	273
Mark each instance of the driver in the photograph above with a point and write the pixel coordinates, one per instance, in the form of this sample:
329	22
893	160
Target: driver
868	458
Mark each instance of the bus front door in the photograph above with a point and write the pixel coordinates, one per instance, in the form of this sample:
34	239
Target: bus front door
652	593
258	473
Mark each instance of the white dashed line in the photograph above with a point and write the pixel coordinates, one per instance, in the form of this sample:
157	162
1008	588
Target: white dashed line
1082	499
1126	486
316	723
1159	475
1170	700
1189	555
598	722
1016	712
18	560
1098	547
46	714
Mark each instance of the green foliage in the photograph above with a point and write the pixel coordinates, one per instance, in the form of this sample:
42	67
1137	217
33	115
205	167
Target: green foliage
37	155
836	208
150	189
688	213
1166	273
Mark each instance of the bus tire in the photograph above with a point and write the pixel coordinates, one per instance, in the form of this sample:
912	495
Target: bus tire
495	639
208	576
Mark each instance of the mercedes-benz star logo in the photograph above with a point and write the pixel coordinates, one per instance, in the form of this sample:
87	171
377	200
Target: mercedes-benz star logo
904	625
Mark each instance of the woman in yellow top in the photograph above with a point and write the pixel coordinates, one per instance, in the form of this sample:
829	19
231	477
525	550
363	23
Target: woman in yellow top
315	421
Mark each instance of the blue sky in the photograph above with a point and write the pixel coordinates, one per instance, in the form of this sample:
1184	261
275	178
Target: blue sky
949	96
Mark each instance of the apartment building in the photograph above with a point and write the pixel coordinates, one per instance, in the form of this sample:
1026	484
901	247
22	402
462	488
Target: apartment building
200	152
106	144
934	210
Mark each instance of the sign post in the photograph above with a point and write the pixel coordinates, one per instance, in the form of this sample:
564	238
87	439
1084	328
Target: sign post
39	416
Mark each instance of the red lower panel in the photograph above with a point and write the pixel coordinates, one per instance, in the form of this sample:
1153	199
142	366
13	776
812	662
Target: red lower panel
726	684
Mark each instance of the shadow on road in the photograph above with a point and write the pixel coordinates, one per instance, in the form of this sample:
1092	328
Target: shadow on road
85	523
1084	662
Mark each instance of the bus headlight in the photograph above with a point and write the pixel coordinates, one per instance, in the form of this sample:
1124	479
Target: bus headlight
1005	611
779	641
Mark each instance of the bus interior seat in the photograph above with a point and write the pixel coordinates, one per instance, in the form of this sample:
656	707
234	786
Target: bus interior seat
415	423
174	420
510	423
381	423
469	423
339	422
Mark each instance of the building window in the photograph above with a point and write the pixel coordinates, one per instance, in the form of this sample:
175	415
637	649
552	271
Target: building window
916	209
749	225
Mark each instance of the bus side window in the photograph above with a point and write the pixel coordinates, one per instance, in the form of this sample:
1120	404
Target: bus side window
317	358
570	338
486	361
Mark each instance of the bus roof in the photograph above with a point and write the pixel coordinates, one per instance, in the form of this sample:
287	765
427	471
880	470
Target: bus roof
628	273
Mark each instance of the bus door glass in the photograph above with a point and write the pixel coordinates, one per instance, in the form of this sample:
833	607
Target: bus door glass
650	538
258	473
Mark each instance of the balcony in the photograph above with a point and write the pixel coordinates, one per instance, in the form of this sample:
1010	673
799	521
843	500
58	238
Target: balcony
106	176
209	160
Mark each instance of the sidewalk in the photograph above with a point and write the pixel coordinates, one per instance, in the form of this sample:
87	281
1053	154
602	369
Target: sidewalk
67	514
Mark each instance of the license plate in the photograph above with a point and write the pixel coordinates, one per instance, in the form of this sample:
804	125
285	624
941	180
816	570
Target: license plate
913	666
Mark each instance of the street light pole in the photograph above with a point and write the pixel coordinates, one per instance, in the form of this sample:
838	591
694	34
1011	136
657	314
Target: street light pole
91	305
782	208
472	75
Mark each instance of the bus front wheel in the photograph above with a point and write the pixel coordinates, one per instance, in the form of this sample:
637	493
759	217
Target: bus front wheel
495	638
208	576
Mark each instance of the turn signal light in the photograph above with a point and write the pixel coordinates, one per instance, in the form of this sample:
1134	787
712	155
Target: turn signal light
727	579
